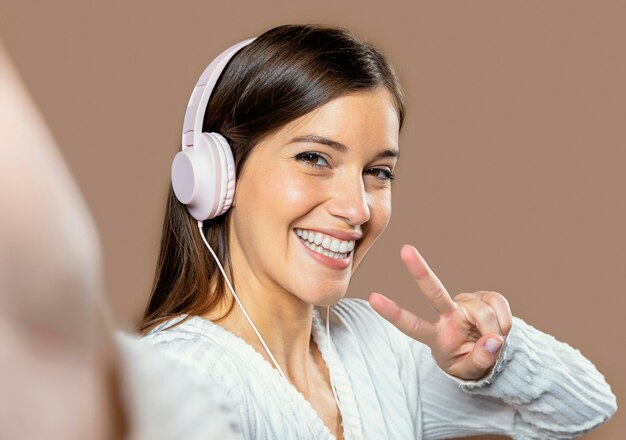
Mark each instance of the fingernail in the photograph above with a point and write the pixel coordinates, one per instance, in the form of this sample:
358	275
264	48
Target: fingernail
493	345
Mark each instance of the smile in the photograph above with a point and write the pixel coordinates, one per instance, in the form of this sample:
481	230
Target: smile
326	244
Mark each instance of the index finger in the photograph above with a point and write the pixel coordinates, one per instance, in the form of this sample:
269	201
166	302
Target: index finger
427	281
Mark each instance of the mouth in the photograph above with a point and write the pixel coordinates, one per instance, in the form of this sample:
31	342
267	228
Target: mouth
326	249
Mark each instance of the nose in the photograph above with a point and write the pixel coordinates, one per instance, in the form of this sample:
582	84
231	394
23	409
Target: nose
349	200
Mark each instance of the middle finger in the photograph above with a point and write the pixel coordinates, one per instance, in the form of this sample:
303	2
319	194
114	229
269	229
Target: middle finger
480	314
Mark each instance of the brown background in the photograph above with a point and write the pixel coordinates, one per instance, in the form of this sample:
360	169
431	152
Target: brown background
512	174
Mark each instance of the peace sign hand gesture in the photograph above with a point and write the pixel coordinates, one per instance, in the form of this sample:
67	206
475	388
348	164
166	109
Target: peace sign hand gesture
467	339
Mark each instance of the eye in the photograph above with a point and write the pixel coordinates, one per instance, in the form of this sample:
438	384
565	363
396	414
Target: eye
311	158
383	174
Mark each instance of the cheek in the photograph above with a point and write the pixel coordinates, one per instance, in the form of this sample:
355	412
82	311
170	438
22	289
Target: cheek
380	213
295	191
280	197
291	193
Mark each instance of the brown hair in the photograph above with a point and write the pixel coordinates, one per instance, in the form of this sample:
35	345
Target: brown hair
284	74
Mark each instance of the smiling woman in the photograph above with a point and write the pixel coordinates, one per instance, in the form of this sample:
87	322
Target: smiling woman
280	79
311	116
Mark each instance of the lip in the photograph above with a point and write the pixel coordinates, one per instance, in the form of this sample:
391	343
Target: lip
329	262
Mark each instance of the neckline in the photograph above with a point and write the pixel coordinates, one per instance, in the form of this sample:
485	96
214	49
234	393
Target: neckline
348	410
350	420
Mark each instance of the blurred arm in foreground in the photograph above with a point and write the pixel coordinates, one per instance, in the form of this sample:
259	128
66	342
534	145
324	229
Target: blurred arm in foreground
64	374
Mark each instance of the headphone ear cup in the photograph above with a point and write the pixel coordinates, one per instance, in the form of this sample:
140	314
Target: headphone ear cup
194	180
203	177
227	173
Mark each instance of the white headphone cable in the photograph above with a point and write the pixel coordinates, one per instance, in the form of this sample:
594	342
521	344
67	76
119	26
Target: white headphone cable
239	302
269	353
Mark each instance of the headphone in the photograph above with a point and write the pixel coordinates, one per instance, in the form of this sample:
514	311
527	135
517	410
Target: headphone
203	172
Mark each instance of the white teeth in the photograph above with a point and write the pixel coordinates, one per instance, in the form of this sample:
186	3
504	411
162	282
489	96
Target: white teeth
322	249
343	247
318	238
326	244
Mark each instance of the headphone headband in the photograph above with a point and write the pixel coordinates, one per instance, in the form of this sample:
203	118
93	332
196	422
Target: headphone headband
196	108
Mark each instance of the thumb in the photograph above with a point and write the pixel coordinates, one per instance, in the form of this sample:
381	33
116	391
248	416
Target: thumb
483	356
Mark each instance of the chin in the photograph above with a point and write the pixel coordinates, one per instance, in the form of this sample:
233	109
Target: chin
328	301
323	296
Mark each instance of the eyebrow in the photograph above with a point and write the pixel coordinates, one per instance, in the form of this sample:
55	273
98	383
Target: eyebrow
388	152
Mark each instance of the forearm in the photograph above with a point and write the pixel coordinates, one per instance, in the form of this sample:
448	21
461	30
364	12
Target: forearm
555	390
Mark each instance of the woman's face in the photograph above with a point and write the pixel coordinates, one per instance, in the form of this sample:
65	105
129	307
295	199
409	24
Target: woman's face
313	197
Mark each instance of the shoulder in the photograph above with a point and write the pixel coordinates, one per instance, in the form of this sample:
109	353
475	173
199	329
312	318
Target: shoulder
163	403
356	310
359	314
142	359
184	334
374	331
193	342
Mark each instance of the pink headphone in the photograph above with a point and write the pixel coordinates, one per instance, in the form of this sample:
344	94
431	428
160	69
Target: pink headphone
203	172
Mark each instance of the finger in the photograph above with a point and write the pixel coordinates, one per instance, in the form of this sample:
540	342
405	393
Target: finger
501	306
480	314
482	357
428	282
409	324
496	301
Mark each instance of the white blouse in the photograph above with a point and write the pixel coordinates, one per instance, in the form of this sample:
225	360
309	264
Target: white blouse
389	386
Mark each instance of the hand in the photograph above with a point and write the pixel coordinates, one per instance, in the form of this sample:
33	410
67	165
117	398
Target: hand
467	339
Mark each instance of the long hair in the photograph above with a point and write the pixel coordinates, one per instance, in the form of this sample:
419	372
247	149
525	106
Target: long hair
282	75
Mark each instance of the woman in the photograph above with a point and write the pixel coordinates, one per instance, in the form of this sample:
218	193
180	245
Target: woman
312	116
